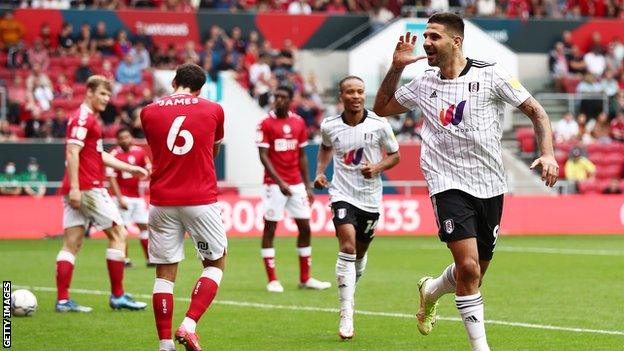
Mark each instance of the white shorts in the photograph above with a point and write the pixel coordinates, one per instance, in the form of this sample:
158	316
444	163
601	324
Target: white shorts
274	203
137	212
168	224
96	207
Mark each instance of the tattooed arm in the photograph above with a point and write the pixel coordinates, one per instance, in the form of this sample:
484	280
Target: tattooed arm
541	124
385	102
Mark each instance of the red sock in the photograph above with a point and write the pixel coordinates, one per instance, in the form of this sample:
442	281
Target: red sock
268	256
305	262
163	313
64	271
144	245
115	262
204	292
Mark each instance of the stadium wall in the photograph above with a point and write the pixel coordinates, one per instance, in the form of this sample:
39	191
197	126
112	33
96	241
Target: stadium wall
401	215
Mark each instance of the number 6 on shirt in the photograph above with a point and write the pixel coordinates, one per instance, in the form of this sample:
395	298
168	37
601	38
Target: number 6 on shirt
174	132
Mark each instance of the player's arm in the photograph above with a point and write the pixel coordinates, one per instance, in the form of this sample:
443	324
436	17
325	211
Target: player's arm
372	170
305	175
111	161
112	181
324	157
72	155
385	102
268	166
541	124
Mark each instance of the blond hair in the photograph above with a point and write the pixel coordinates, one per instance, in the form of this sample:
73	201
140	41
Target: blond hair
96	81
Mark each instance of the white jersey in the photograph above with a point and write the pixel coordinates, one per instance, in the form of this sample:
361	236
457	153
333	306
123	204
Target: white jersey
352	146
463	127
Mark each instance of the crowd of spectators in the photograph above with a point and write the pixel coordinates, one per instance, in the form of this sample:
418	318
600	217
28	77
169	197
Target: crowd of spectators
29	182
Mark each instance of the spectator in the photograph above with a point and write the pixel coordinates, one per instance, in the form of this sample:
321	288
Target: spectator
189	54
107	70
609	84
39	76
141	56
600	129
308	110
336	7
595	61
6	133
259	76
59	124
128	72
396	122
237	41
33	180
486	7
567	129
42	94
299	7
434	6
613	62
576	62
11	30
617	127
35	127
613	188
17	96
408	131
618	49
102	40
84	36
590	105
130	105
141	37
578	167
568	42
596	44
109	115
38	55
558	64
583	135
83	72
122	44
62	88
9	182
49	43
66	37
379	16
146	97
17	57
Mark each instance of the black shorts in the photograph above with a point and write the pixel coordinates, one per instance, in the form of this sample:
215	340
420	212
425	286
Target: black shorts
461	215
363	221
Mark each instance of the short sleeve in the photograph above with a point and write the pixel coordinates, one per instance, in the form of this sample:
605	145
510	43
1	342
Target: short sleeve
388	140
219	133
407	95
508	88
325	137
262	135
77	130
303	135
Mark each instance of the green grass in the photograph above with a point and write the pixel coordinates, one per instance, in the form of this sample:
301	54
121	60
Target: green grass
579	290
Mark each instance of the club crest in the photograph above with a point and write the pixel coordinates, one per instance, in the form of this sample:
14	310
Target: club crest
473	87
342	213
449	226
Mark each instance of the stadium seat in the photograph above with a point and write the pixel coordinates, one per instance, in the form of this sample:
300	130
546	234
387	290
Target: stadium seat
565	147
608	172
588	187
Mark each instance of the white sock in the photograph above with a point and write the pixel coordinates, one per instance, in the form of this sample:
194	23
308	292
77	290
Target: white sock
360	266
167	344
345	275
189	324
444	284
471	309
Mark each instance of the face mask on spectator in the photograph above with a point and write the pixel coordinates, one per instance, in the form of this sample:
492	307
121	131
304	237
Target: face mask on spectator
10	170
33	168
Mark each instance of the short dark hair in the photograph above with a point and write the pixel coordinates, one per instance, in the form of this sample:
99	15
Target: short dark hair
346	79
190	75
450	21
287	89
122	130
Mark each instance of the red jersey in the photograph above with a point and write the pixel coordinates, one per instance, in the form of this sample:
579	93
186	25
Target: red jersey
284	137
84	129
128	183
181	130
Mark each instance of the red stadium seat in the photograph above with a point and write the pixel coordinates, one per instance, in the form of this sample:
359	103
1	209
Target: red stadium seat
565	147
608	172
588	187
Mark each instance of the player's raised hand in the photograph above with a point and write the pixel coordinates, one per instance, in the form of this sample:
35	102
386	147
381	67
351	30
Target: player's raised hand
369	170
550	169
75	197
138	171
404	51
321	181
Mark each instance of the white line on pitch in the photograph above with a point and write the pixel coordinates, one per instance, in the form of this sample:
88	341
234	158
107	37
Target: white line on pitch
544	250
335	310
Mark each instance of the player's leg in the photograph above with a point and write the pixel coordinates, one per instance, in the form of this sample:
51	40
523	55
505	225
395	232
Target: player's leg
106	217
345	224
467	297
166	249
74	223
273	202
206	229
361	258
143	239
140	216
126	216
298	207
365	232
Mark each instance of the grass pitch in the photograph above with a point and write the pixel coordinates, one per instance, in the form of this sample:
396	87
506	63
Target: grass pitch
541	293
